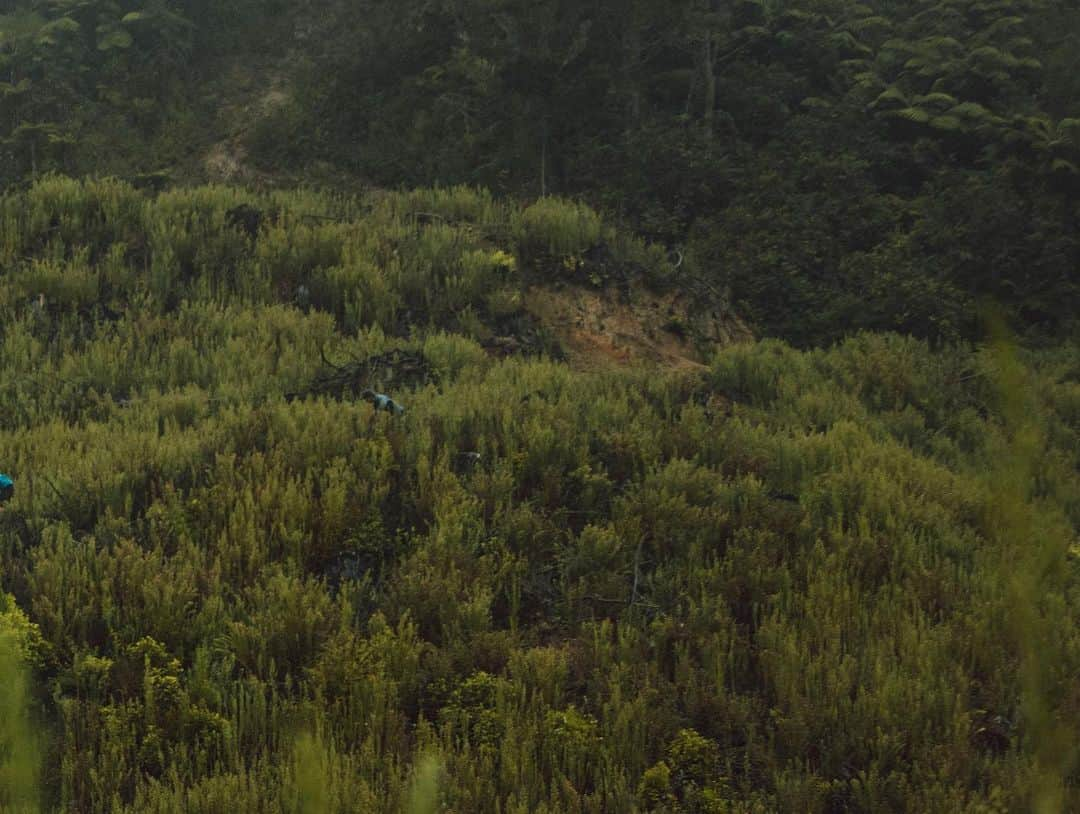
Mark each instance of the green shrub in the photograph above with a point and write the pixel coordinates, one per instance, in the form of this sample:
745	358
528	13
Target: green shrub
558	228
785	582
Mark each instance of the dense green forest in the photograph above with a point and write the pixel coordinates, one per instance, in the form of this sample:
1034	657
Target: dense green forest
833	165
733	456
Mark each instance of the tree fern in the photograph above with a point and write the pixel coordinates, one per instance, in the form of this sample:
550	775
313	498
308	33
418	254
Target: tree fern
890	99
844	42
947	124
868	79
939	45
989	58
14	89
53	32
1040	128
19	26
914	115
815	103
1061	166
1000	27
870	25
796	18
939	18
1069	130
936	101
898	45
974	112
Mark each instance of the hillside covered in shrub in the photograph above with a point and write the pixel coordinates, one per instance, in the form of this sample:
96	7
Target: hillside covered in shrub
661	406
786	580
832	165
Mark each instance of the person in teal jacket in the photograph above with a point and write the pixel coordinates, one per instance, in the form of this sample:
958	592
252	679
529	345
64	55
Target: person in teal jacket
7	489
382	402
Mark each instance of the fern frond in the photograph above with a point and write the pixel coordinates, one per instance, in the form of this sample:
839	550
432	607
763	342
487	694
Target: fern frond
868	80
973	112
898	45
877	23
940	44
890	99
794	18
755	32
1069	130
1020	44
9	89
1002	26
854	64
1061	166
938	101
845	42
815	103
1014	138
991	8
990	58
948	124
929	67
50	33
1040	125
914	115
939	17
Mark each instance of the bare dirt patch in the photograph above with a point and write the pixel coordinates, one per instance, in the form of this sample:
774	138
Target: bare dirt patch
599	328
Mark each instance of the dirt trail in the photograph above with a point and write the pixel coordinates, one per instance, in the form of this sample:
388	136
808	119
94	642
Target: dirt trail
253	95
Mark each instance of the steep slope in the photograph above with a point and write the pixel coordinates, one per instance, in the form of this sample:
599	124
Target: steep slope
837	580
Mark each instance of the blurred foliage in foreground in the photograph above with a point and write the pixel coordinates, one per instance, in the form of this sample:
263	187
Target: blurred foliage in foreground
832	580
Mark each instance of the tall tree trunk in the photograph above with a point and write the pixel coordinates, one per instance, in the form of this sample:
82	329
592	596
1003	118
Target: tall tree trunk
543	160
708	60
631	63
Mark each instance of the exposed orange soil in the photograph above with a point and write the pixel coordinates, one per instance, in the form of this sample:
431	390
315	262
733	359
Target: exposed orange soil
598	328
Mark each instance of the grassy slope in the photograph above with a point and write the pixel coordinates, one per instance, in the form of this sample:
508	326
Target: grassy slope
832	580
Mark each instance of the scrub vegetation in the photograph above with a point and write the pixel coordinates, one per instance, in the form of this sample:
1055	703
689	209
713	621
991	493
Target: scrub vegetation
836	579
660	406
